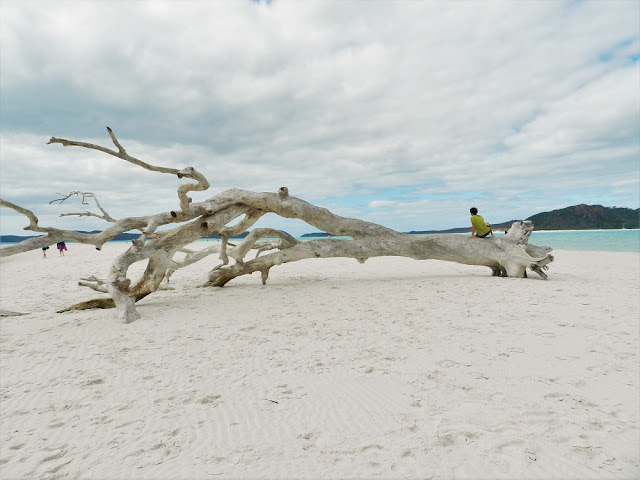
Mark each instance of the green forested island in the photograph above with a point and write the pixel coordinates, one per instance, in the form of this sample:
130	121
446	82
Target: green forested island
587	217
577	217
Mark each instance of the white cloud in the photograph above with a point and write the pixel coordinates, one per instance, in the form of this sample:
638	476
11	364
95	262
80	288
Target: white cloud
380	204
417	107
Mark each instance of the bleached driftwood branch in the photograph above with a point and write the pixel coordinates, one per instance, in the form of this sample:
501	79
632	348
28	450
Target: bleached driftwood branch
105	215
94	283
100	285
506	256
265	245
188	172
190	258
55	235
510	255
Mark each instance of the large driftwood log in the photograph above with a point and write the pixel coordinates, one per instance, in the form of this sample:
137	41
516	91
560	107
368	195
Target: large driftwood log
509	255
506	256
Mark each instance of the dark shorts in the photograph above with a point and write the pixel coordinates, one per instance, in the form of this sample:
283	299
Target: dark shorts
485	235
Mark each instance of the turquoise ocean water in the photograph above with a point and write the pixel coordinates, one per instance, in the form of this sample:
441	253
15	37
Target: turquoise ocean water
587	240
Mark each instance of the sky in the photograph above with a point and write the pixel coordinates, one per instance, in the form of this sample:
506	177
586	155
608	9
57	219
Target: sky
402	113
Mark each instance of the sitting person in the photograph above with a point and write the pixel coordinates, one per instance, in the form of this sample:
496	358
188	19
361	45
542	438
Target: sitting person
479	227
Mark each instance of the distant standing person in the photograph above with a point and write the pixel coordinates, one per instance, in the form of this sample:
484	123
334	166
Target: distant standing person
62	247
479	227
44	252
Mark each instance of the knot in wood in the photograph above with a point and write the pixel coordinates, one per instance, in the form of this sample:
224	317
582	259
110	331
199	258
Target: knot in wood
283	192
123	284
185	172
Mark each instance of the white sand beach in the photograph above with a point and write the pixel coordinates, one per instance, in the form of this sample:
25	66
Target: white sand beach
392	369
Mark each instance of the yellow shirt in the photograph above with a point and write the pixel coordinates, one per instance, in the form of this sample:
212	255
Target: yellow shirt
478	222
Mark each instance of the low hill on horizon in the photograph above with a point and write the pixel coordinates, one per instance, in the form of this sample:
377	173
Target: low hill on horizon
587	217
576	217
496	227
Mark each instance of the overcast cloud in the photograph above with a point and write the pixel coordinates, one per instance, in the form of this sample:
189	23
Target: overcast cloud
404	113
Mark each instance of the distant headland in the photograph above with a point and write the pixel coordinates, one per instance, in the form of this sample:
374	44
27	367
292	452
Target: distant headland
576	217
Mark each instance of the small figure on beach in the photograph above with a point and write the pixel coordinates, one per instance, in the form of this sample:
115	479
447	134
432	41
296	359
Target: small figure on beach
479	227
44	252
62	247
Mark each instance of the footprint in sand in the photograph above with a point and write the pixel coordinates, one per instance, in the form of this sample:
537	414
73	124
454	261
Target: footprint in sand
97	381
447	363
212	400
309	440
49	465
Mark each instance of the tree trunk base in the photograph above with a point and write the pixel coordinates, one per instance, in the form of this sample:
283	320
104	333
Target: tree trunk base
96	303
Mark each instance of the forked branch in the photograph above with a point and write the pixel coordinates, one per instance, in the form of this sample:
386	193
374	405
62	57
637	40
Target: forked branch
188	172
105	215
121	153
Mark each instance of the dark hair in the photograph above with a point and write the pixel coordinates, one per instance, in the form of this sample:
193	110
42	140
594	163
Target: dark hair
474	211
